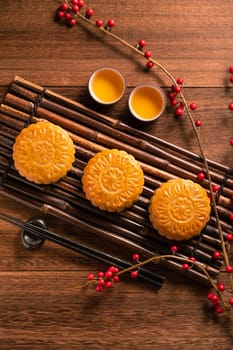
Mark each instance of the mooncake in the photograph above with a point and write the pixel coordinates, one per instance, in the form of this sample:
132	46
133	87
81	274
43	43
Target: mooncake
112	180
179	209
43	152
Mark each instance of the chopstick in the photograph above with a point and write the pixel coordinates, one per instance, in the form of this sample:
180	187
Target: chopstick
82	249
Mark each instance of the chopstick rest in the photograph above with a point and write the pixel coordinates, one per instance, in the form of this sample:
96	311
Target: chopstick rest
30	239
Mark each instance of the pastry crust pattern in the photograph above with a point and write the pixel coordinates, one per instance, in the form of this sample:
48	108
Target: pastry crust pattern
113	180
43	152
179	209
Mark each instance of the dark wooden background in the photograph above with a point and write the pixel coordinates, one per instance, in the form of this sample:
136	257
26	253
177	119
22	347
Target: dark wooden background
41	305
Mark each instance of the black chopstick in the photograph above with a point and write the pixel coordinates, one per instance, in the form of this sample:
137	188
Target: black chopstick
83	249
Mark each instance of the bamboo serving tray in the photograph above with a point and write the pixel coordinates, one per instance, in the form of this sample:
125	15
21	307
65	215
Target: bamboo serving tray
92	132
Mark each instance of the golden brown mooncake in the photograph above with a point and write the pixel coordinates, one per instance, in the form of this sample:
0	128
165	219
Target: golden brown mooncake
179	209
112	180
43	152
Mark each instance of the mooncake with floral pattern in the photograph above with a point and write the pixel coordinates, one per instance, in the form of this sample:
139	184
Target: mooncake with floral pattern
43	152
112	180
179	209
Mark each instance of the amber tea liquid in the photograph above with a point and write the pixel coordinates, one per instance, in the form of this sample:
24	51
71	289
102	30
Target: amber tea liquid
107	85
146	102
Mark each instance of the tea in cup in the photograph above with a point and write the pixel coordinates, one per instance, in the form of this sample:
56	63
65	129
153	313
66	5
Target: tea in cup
106	85
147	102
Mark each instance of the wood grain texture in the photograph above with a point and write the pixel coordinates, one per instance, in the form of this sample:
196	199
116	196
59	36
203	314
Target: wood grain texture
42	306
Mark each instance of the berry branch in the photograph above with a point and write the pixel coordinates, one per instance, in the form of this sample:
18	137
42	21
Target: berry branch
73	11
112	275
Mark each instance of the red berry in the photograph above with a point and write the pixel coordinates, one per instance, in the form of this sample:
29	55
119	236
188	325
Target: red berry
147	54
111	23
193	106
99	288
74	2
108	284
216	188
142	43
174	249
200	176
72	22
80	3
185	266
90	277
231	79
221	287
134	274
210	296
230	301
101	282
179	81
99	22
60	14
64	6
231	216
198	123
229	269
215	303
192	259
136	257
89	13
219	310
111	269
174	102
176	88
179	111
231	69
116	279
214	298
150	64
100	274
216	255
75	8
67	16
171	95
115	270
231	143
108	274
229	237
230	106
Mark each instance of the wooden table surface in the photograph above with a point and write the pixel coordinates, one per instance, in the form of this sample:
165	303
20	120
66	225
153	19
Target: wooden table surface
41	304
